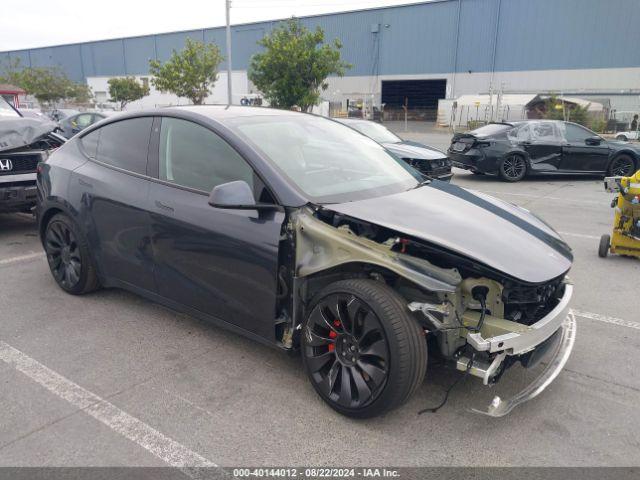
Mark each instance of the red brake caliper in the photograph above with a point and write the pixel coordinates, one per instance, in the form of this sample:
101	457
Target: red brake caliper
333	335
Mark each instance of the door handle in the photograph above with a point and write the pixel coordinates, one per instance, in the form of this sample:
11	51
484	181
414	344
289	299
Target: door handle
163	206
84	183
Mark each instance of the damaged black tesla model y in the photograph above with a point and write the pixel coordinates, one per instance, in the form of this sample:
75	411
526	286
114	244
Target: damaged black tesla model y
301	233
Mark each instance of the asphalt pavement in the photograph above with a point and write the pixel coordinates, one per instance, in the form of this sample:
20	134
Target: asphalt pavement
110	379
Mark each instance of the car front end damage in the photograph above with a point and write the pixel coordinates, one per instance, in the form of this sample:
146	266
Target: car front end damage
481	321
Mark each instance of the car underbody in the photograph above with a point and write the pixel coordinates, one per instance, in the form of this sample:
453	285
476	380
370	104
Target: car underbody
480	321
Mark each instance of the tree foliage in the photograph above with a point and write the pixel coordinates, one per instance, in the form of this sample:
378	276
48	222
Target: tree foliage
294	65
48	85
125	90
189	73
571	112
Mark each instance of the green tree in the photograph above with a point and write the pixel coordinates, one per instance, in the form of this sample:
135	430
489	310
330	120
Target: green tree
189	73
294	65
571	112
48	84
125	90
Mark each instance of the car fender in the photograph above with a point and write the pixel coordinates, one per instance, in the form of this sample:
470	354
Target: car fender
321	247
624	151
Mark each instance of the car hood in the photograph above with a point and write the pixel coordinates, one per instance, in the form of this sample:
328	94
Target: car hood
495	233
622	145
20	132
415	151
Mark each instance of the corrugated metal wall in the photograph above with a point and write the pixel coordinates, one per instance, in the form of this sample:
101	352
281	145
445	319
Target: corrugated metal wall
413	39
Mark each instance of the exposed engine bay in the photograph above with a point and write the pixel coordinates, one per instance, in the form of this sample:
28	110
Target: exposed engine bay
481	321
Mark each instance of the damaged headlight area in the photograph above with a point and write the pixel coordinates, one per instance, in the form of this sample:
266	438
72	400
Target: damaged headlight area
482	321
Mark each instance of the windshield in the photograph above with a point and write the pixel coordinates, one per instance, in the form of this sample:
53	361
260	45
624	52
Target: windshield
491	129
327	161
375	131
7	110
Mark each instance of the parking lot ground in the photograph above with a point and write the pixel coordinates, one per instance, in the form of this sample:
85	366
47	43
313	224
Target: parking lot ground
112	379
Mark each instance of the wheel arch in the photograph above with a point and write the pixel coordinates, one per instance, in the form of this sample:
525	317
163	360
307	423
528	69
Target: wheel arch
624	151
47	211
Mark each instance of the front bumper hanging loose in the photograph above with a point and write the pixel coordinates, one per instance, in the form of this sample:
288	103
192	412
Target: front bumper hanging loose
500	407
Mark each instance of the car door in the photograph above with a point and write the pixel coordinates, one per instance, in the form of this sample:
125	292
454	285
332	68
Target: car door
581	151
543	144
217	261
112	189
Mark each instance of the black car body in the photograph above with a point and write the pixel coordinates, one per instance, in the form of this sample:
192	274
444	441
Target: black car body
303	234
514	150
78	122
427	160
24	142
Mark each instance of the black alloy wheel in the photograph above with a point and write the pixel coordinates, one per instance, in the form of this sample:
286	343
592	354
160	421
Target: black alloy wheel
622	166
354	362
346	350
67	256
513	168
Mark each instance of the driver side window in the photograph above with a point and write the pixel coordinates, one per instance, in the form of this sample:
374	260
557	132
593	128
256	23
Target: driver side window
576	134
195	157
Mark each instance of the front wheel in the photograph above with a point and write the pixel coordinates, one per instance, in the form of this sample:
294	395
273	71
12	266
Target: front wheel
605	245
362	350
622	166
622	138
513	168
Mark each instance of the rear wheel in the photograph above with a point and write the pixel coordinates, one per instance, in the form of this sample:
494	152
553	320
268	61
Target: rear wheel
68	256
621	138
362	350
605	244
622	166
513	168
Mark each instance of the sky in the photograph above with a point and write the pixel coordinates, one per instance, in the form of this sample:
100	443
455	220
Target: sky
39	23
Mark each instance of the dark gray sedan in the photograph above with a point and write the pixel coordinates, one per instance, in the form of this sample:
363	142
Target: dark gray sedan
427	160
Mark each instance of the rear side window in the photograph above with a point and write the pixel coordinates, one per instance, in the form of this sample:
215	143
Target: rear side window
125	144
90	143
195	157
491	129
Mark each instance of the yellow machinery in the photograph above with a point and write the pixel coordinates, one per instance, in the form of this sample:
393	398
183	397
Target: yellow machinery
625	239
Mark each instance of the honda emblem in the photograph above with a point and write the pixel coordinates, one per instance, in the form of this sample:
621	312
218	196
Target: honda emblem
5	165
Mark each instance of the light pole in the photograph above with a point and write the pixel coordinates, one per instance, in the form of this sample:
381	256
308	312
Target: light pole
228	8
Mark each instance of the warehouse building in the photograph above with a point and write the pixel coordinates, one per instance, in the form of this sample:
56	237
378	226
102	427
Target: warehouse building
413	55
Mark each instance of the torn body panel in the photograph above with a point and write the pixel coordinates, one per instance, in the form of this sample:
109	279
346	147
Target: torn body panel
476	321
320	247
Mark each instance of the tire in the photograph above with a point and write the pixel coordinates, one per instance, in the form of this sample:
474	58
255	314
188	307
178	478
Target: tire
605	244
512	168
622	165
622	138
68	256
362	350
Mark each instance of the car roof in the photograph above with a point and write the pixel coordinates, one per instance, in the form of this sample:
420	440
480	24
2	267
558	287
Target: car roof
221	112
353	120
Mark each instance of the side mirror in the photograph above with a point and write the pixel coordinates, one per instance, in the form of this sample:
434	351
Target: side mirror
593	140
236	195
